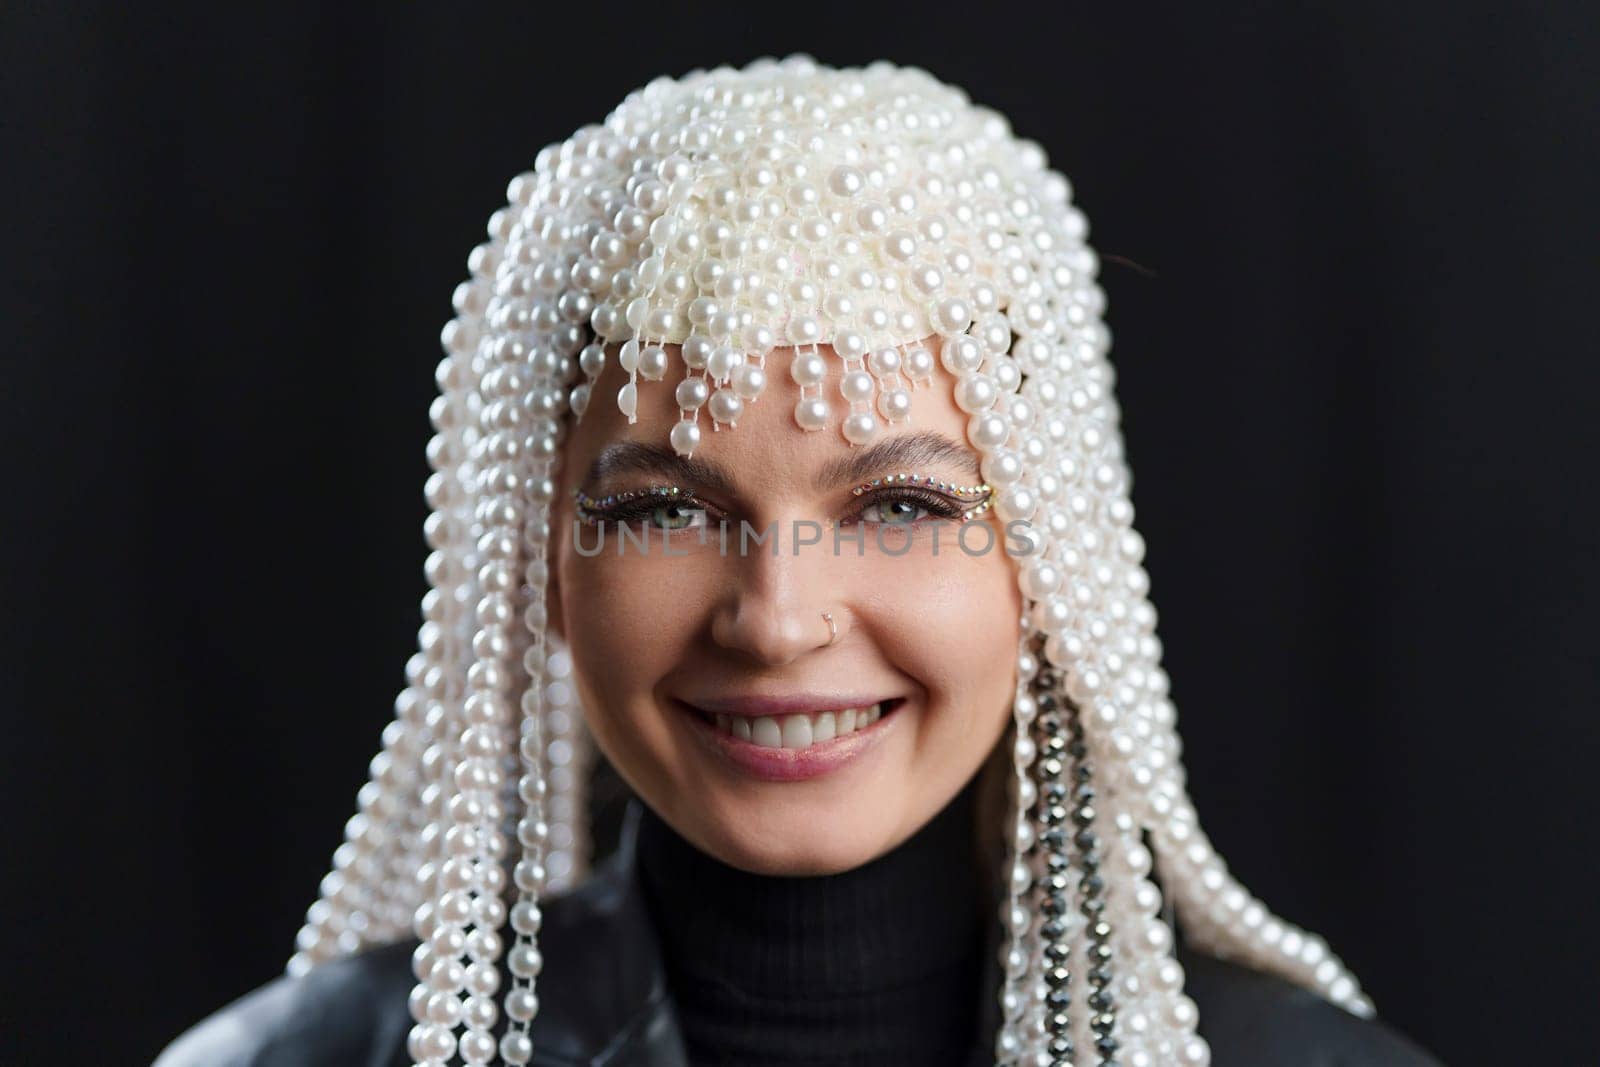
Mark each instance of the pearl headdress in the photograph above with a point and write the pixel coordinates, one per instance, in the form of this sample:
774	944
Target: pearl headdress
728	213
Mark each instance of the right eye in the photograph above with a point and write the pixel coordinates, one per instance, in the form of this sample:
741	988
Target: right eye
675	517
650	511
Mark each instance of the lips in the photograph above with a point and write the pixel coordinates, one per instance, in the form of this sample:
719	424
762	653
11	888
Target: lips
761	739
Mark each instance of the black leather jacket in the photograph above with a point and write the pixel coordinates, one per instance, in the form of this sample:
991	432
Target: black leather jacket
604	1003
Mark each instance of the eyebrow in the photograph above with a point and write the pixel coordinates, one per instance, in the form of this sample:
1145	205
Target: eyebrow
642	457
910	450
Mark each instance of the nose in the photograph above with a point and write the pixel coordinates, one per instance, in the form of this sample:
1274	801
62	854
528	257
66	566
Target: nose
771	611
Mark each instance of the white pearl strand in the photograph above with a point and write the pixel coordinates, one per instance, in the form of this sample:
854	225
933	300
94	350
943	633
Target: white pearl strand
529	875
394	811
1022	1018
434	999
1071	465
568	754
675	223
462	925
546	365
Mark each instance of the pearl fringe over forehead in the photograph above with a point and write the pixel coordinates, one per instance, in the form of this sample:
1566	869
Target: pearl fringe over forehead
877	212
734	213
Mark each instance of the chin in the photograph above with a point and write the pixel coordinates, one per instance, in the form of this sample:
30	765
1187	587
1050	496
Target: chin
795	840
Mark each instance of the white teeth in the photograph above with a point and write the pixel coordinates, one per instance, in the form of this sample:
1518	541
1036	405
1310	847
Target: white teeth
797	731
764	732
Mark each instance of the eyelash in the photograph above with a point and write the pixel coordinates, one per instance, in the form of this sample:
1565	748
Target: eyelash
641	507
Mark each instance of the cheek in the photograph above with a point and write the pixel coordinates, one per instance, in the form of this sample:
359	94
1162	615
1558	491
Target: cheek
614	626
954	627
627	626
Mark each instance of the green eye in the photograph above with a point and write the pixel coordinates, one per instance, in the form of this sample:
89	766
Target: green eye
676	517
893	512
660	508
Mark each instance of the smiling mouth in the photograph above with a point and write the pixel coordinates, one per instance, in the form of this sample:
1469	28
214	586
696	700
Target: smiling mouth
799	730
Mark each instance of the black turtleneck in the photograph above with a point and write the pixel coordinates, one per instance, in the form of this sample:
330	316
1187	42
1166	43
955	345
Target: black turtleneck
883	964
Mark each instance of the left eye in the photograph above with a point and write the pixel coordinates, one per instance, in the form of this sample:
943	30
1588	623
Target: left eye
893	512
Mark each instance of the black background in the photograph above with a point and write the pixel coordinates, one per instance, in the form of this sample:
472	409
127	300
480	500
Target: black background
1351	259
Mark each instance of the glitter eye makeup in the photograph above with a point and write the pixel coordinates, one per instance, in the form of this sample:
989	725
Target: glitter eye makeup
980	497
630	504
943	500
928	481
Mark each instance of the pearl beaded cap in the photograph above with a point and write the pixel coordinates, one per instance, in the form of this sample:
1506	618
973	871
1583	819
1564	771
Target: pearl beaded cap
733	216
732	211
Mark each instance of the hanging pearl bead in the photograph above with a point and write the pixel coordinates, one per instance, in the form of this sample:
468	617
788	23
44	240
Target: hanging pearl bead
860	427
895	404
653	363
808	369
726	406
692	393
749	381
811	413
685	438
919	364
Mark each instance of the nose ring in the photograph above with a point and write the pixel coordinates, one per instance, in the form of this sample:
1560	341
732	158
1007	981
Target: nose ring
833	630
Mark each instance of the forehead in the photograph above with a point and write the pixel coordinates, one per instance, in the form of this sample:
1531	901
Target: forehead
766	449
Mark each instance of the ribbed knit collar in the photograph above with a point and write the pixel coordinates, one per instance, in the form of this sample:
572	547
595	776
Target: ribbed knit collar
880	964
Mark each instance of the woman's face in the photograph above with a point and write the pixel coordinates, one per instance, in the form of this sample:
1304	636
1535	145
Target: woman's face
695	662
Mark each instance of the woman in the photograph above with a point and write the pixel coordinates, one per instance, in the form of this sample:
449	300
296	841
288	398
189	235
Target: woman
776	437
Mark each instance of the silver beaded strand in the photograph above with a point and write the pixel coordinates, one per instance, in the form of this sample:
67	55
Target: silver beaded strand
1054	884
